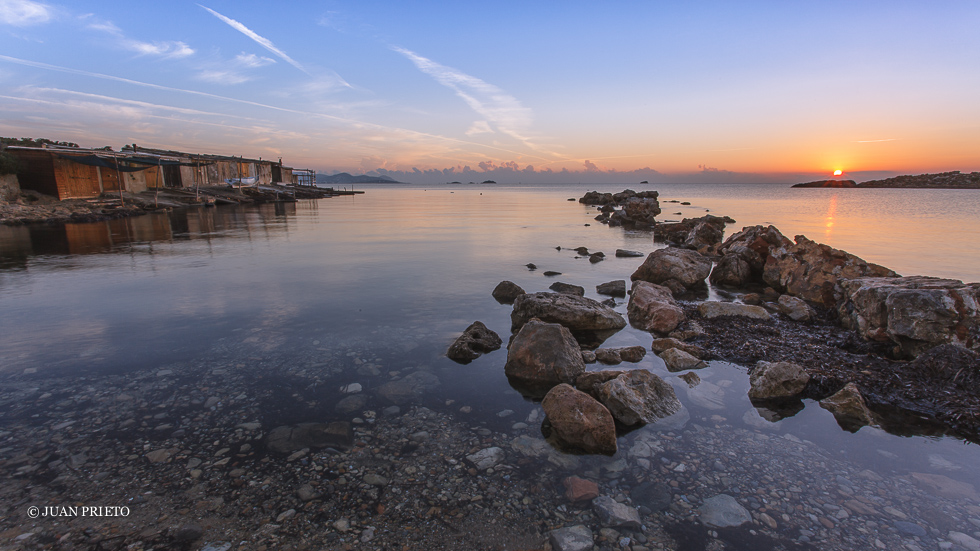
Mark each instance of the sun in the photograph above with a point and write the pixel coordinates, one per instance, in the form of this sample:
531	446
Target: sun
838	172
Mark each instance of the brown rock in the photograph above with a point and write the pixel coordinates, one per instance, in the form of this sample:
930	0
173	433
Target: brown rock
608	356
661	345
811	271
677	360
848	408
507	291
943	486
652	308
567	288
543	355
689	268
579	489
773	380
579	421
590	380
590	321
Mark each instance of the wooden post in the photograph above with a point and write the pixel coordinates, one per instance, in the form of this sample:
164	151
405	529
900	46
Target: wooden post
119	179
156	194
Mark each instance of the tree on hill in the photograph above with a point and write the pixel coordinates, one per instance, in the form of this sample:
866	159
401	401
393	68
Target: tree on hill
35	142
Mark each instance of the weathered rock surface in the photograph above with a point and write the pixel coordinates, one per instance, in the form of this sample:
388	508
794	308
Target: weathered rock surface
849	408
689	268
475	341
507	291
653	308
638	396
811	271
795	308
723	511
614	356
916	313
703	234
612	288
588	320
567	288
590	381
543	355
678	360
639	209
774	380
714	309
288	439
572	538
661	345
615	515
744	256
579	420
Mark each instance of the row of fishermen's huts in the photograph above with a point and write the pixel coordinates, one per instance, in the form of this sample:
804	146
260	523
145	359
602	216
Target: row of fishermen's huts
72	173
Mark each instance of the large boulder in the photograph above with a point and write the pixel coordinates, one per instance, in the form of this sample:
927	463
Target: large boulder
474	341
744	256
689	268
506	292
641	212
715	309
543	355
916	313
638	396
653	308
579	421
812	271
589	321
775	380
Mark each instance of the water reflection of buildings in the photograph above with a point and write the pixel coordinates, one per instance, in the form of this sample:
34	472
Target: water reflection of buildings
19	244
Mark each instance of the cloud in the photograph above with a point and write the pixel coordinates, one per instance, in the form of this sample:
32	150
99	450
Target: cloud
497	107
252	61
173	49
479	127
590	166
262	41
23	13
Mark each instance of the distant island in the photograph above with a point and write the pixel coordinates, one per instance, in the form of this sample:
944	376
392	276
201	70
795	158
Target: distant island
345	178
943	180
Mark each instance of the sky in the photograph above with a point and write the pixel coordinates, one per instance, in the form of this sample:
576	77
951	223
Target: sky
511	91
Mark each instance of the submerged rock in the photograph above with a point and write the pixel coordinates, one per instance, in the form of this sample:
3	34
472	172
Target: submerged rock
848	408
615	515
579	489
688	268
579	420
543	355
773	380
653	308
410	388
572	538
475	341
638	396
507	291
916	313
723	511
288	439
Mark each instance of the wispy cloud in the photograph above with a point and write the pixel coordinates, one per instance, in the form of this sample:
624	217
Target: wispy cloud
260	40
234	71
23	13
167	48
253	61
498	108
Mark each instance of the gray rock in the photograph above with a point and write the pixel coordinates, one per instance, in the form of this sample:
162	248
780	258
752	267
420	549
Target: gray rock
583	316
372	479
714	309
770	380
351	404
572	538
306	493
475	341
612	288
638	396
189	532
288	439
486	458
567	288
506	292
615	515
723	511
678	360
409	389
624	253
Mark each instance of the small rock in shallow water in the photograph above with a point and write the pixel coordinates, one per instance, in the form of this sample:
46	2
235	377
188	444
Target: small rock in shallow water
615	514
723	511
486	458
573	538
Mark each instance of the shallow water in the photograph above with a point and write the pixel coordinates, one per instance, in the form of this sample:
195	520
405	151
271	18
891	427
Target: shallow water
391	277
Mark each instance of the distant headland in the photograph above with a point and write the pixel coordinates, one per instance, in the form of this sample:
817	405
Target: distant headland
346	178
942	180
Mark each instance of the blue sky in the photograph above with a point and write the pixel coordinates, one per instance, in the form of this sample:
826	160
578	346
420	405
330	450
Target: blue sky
544	91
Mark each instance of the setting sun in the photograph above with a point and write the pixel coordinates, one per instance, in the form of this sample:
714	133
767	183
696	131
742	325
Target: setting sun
838	172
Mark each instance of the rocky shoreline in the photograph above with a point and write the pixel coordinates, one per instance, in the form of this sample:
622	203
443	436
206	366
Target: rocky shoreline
943	180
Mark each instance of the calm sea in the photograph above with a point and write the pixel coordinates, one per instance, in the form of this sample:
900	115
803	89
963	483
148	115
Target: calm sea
394	275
